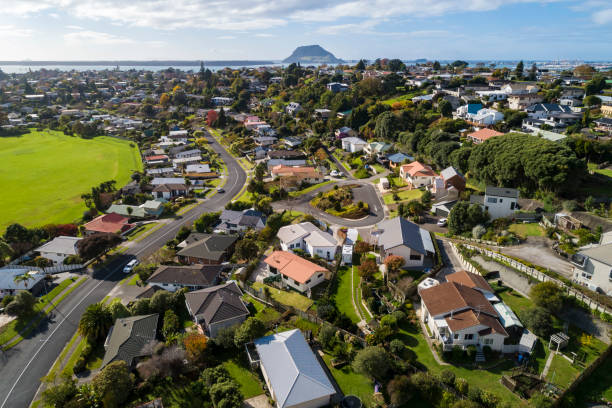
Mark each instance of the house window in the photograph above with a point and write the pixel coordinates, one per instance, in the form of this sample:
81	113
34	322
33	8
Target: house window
456	336
492	200
296	282
501	200
512	205
469	336
319	275
308	281
415	257
488	342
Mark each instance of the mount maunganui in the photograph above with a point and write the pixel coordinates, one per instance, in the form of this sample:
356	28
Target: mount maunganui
312	54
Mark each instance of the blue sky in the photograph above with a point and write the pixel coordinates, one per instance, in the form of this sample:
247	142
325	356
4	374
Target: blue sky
271	29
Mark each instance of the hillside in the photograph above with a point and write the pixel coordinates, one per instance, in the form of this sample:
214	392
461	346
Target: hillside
312	54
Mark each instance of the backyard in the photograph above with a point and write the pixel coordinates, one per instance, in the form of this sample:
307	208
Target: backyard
343	297
50	191
527	230
287	298
404	195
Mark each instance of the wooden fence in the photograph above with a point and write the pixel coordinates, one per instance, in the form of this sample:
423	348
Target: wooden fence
534	273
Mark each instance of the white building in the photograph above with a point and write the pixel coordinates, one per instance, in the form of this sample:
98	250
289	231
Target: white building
487	117
59	248
593	267
296	272
353	144
500	202
309	238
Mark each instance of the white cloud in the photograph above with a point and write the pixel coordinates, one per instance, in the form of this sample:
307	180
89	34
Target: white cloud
95	37
226	37
240	15
264	35
603	16
11	31
74	27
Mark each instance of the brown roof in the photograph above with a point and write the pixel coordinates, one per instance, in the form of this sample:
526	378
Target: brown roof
470	318
484	134
450	296
217	303
469	279
170	187
418	169
190	275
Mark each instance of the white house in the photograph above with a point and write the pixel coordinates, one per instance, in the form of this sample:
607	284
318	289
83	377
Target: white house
460	315
500	202
487	117
309	238
417	174
593	267
59	248
398	236
292	372
293	108
353	144
295	271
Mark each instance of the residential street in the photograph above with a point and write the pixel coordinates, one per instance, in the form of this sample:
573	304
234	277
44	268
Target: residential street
22	366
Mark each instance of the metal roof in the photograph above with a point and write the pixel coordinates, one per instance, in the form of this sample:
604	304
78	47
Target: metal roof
294	373
506	315
399	231
128	337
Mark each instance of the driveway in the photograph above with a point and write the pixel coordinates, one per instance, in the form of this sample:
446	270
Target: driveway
451	261
260	401
537	250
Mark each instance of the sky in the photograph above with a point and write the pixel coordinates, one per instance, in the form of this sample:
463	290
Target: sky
271	29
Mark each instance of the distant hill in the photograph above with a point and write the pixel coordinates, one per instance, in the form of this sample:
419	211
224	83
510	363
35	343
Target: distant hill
312	54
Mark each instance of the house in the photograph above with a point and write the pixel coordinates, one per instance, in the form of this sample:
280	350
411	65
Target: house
265	140
417	174
169	191
295	271
460	315
443	208
156	159
448	185
522	101
216	308
309	238
322	114
353	144
9	285
344	131
222	101
483	135
606	111
520	88
129	339
271	163
149	209
293	108
233	222
545	110
178	134
397	159
603	124
59	248
108	223
192	277
593	267
207	249
292	372
398	236
474	281
292	141
336	87
189	153
487	117
377	148
197	169
286	154
500	202
298	175
467	111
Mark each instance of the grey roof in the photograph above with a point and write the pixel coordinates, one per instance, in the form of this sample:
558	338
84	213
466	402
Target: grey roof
128	337
399	231
190	275
293	371
450	172
8	274
61	245
601	253
502	192
217	303
246	218
477	199
208	246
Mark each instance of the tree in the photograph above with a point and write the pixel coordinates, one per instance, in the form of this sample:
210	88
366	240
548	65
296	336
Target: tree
386	126
538	321
141	307
400	390
368	268
22	305
95	322
59	395
360	65
436	66
260	171
171	323
548	296
465	216
249	330
164	99
327	336
226	395
591	101
397	347
373	362
114	384
445	108
118	310
195	346
518	71
394	263
206	222
96	244
539	400
161	301
225	337
246	249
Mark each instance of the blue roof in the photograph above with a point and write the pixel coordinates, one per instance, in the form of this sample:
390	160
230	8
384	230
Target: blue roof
474	107
293	371
399	157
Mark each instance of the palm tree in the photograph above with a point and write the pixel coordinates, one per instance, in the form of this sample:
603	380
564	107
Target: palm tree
25	278
95	322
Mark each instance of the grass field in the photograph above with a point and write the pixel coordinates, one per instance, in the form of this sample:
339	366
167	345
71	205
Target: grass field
288	298
43	174
405	195
527	230
343	297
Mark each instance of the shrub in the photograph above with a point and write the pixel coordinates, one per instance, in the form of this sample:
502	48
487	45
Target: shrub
373	362
462	386
471	351
400	390
447	377
397	347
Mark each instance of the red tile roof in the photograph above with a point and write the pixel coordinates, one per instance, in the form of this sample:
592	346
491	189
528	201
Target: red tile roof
112	222
418	169
469	279
484	134
293	266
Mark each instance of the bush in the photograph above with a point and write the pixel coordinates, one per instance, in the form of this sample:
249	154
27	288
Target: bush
447	377
538	321
471	351
548	296
327	337
400	390
80	364
373	362
397	347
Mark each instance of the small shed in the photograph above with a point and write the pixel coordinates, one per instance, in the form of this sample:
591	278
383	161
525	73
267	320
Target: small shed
347	254
384	183
527	342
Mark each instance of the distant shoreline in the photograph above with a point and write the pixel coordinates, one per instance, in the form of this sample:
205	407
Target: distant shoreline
176	63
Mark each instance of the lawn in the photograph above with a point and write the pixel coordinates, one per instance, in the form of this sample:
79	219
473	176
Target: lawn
404	195
562	372
287	298
379	168
605	172
597	386
396	181
138	232
527	230
59	169
247	380
343	298
352	383
309	189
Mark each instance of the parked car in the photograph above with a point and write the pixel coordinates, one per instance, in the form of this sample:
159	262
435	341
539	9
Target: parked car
220	190
130	266
334	173
442	222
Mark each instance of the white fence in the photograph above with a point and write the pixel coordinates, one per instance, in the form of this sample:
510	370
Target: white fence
534	273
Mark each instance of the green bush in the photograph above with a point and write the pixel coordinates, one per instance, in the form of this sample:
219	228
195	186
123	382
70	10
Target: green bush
471	351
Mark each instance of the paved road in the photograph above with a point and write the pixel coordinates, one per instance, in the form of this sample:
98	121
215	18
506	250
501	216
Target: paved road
22	366
365	192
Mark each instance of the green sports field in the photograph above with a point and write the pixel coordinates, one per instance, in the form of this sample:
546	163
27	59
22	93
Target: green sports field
43	174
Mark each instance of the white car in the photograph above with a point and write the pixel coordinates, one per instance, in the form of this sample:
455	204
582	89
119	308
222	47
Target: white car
130	266
334	173
442	222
